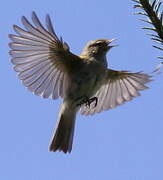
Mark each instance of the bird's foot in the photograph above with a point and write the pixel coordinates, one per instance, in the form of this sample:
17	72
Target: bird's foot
87	101
92	100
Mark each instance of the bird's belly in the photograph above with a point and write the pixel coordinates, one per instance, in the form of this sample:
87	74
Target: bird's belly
85	84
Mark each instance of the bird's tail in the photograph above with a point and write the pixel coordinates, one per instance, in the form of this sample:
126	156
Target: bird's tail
64	132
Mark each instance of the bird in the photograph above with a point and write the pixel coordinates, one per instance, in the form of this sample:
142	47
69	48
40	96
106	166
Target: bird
46	67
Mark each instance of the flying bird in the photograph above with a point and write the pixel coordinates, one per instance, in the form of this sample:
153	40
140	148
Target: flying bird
48	68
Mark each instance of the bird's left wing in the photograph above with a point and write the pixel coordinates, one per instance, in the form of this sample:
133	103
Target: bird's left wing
41	59
119	87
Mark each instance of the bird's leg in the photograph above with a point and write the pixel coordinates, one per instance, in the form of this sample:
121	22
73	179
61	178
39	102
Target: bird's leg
82	100
87	101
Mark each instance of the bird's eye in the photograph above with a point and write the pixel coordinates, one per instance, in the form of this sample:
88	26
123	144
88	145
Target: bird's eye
98	43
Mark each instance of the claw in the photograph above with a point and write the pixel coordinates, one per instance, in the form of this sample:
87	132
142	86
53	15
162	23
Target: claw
94	99
85	100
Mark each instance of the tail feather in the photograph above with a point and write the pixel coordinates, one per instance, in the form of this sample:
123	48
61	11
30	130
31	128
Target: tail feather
63	137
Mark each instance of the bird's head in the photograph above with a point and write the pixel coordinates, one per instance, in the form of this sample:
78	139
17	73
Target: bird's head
97	48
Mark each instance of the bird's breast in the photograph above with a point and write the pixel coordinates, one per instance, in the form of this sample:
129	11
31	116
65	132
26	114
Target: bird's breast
86	81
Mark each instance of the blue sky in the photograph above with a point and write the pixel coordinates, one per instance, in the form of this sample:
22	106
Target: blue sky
123	143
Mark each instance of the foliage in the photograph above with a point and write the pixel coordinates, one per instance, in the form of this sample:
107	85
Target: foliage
154	17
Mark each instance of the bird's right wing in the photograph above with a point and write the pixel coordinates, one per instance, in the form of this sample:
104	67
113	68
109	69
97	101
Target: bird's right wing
119	87
41	59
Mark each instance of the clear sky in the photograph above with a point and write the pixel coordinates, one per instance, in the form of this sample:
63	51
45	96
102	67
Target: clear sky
121	144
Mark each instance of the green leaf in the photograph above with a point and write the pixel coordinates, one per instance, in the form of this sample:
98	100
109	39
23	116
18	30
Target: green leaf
158	47
141	13
157	40
147	21
148	28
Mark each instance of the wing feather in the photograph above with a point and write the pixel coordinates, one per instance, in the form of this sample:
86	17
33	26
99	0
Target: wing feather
27	47
41	60
26	41
119	98
113	102
120	86
55	93
50	26
45	89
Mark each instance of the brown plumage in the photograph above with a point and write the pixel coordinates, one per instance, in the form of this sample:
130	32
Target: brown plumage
47	68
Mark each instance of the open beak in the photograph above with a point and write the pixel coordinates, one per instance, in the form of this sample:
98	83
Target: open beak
110	41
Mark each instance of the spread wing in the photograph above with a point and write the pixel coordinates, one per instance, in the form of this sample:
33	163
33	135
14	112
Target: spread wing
120	86
41	59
